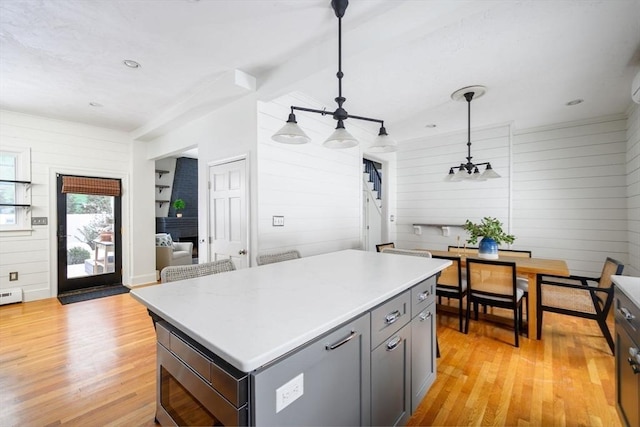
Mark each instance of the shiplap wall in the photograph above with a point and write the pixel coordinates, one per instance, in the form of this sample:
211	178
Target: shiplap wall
317	190
423	197
56	146
633	190
569	192
572	190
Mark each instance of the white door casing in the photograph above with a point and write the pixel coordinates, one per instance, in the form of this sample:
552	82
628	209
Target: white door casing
228	217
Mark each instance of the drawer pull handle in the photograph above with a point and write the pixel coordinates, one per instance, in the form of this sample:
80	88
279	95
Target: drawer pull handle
626	313
423	296
424	316
342	341
392	317
393	343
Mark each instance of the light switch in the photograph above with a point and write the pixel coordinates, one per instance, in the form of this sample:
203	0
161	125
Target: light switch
278	221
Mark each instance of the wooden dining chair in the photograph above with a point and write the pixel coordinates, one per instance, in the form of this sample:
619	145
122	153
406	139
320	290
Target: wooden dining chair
451	284
493	283
587	297
521	282
382	246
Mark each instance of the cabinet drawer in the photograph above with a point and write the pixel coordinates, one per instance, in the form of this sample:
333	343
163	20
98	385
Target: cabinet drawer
390	317
627	314
422	295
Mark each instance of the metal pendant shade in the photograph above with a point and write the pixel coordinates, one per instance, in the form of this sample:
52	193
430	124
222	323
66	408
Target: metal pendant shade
469	170
291	133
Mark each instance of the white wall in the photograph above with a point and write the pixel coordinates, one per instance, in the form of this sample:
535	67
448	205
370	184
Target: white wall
317	190
572	194
227	132
59	147
423	197
633	190
569	192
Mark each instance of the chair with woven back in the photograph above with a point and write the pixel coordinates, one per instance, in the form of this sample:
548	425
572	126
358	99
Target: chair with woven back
493	283
382	246
586	297
452	284
182	272
270	258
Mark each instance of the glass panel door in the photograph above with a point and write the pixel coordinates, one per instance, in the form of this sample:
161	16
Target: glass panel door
89	244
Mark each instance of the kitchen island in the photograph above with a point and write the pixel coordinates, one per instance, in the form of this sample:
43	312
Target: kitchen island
328	339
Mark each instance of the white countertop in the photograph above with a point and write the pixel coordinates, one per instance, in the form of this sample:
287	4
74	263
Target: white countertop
630	286
252	316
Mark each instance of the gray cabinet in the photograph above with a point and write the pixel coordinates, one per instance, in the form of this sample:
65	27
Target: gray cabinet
627	353
423	340
324	383
391	381
391	361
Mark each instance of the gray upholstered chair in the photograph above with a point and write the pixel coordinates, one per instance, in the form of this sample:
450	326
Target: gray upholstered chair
182	272
272	257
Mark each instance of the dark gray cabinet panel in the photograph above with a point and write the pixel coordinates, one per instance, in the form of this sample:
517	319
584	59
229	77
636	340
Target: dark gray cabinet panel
330	376
391	381
423	354
627	340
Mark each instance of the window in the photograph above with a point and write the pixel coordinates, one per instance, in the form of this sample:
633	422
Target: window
15	189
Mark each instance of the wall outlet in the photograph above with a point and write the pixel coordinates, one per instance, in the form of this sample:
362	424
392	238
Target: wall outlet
39	220
13	276
289	392
278	221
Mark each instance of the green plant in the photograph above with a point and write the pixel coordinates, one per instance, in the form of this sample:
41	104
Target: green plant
77	255
179	204
488	227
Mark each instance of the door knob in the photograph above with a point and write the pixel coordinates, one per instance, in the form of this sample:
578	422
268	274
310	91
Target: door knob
242	252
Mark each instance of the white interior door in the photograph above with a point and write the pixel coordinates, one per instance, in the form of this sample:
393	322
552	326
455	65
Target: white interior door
228	213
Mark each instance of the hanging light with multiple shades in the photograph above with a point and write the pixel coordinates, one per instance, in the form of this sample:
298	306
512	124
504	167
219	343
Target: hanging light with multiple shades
470	170
291	133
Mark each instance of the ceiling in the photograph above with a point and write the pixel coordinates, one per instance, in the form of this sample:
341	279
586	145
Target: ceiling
402	59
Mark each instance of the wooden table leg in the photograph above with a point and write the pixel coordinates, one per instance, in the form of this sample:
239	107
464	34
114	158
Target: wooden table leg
532	302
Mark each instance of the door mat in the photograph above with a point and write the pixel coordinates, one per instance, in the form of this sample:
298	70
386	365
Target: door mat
92	293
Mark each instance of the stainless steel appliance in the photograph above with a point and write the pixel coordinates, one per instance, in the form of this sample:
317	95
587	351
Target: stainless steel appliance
194	387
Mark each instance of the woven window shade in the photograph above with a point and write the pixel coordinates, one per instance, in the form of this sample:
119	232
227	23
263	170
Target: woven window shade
94	186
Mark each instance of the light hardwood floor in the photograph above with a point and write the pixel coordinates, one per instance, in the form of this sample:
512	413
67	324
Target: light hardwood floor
93	364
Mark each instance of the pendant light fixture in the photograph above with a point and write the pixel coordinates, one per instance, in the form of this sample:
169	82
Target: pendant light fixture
469	170
291	133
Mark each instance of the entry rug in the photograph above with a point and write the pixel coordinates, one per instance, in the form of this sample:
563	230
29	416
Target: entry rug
92	293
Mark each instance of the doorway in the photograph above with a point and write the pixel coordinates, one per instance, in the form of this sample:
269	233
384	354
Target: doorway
228	213
89	218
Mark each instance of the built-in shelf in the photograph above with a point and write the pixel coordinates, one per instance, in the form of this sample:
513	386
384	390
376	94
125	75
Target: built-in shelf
16	205
16	182
162	202
439	225
161	187
161	172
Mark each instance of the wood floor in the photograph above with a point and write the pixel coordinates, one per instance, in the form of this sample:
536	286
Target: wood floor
93	364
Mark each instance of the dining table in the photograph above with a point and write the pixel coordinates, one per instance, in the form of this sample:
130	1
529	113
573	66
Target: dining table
525	267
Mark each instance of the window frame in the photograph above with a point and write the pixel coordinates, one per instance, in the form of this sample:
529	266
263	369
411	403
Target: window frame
22	188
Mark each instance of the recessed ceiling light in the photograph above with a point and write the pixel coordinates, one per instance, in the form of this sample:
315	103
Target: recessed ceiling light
131	63
95	104
575	102
430	125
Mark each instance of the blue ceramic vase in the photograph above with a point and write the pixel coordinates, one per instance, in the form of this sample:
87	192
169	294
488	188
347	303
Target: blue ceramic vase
488	248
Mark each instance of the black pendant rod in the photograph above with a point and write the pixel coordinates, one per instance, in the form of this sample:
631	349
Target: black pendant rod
469	96
340	114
